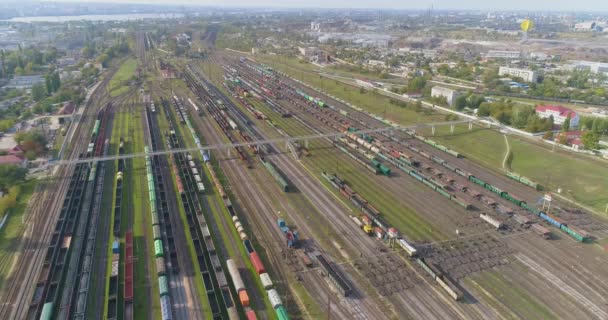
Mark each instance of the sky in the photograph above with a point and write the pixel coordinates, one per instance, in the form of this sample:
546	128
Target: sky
522	5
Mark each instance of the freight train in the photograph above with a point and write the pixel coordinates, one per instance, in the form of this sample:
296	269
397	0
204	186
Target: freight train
165	300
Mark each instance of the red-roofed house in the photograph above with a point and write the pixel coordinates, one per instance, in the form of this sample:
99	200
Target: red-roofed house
559	114
573	138
68	108
12	159
16	151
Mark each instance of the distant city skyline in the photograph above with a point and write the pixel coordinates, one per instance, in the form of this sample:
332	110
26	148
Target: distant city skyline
515	5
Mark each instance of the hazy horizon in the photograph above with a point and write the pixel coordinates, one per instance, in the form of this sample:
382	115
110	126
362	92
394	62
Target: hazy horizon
514	5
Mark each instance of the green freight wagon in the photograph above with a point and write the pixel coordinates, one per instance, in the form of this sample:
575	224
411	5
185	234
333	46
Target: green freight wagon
158	248
477	181
47	311
385	170
163	286
443	192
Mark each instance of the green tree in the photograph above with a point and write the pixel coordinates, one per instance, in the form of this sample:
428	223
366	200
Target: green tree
38	92
566	125
597	125
416	84
11	175
562	139
590	140
460	103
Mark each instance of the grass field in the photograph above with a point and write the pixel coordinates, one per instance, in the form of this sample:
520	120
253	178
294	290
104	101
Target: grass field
580	179
515	301
118	84
12	232
327	158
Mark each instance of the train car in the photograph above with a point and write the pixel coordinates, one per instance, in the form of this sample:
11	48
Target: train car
233	270
266	281
275	299
281	313
161	268
409	249
47	311
250	315
158	248
165	308
257	262
451	289
334	276
495	223
163	286
551	219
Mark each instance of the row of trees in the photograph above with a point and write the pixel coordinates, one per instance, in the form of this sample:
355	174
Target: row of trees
25	61
472	101
524	118
51	85
33	143
10	178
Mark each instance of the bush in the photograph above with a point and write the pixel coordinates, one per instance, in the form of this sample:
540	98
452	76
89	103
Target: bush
9	200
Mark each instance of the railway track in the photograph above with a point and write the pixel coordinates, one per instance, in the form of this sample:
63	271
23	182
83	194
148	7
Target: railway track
478	172
185	301
28	266
302	224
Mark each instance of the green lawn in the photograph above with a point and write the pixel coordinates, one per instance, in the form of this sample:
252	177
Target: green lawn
514	298
580	178
12	232
118	83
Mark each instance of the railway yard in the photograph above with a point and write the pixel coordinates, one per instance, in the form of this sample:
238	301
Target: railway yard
289	204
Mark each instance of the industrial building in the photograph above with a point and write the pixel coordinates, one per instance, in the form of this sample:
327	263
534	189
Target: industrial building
592	66
559	114
449	94
500	54
527	75
24	82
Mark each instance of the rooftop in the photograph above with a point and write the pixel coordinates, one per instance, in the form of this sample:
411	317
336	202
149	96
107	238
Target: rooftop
563	111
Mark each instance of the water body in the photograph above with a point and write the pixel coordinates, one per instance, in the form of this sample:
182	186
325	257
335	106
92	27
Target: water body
98	17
